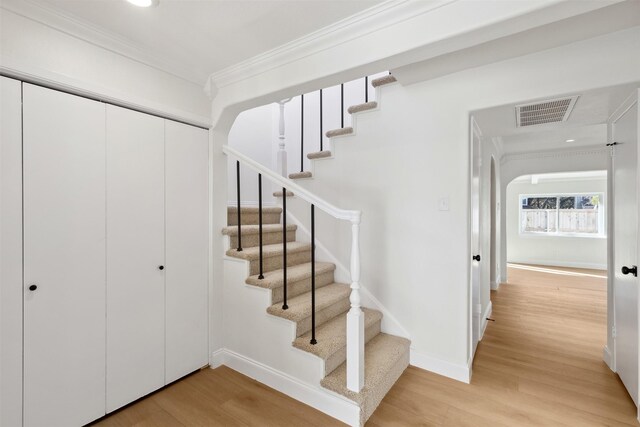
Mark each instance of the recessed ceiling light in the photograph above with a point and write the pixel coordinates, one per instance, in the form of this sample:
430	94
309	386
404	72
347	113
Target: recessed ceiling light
570	140
144	3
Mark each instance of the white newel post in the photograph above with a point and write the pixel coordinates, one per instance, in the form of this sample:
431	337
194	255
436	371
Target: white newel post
355	317
282	153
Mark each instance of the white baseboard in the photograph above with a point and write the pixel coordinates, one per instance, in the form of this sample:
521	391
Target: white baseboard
495	286
556	263
323	400
217	358
608	358
441	367
483	319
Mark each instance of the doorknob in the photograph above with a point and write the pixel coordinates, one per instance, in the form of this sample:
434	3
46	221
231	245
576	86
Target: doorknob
33	287
633	270
476	258
161	267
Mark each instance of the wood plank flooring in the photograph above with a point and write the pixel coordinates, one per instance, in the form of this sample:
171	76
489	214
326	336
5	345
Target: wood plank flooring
539	364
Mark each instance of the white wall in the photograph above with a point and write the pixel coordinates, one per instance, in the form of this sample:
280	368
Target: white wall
41	52
562	251
254	134
414	151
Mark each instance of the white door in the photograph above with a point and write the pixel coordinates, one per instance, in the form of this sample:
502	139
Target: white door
64	258
10	252
135	256
624	131
475	256
187	237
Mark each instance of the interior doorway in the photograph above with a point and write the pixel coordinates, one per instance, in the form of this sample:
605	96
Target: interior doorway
548	182
493	216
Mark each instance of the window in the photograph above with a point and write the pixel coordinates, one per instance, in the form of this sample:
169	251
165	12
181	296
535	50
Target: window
560	214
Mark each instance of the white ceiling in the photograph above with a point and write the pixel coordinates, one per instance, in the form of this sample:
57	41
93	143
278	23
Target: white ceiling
586	125
205	36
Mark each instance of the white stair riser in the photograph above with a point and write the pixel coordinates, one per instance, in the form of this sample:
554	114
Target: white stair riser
301	286
271	238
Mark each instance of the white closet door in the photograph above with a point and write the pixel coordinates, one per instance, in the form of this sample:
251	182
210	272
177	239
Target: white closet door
187	224
135	252
64	257
10	252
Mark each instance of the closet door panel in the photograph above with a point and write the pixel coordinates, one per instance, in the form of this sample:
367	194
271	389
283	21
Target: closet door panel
10	252
64	257
187	224
135	250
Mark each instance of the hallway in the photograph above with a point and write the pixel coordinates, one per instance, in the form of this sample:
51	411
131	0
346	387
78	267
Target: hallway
539	363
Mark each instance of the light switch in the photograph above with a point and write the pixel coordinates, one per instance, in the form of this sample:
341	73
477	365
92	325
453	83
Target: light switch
443	204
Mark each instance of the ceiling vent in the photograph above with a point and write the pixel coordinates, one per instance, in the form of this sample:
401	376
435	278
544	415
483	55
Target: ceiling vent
549	111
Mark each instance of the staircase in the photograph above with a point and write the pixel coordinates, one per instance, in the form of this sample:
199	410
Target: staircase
386	356
343	131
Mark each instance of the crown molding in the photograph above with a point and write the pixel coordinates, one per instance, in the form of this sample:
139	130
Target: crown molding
74	27
376	18
28	73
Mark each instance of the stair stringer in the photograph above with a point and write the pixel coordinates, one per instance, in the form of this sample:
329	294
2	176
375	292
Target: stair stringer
354	125
259	345
390	325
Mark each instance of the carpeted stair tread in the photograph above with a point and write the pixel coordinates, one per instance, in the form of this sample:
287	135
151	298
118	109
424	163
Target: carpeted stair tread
319	155
232	230
381	81
339	132
300	175
275	279
362	107
332	336
386	357
253	253
279	193
300	306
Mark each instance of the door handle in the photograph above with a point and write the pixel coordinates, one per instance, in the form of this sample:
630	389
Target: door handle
33	287
477	258
630	270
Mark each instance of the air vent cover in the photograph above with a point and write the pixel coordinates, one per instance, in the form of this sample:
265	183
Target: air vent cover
549	111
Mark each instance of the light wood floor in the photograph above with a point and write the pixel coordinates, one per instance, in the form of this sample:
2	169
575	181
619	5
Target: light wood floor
539	364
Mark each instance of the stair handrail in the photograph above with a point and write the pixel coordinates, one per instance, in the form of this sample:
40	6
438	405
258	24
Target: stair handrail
355	316
344	214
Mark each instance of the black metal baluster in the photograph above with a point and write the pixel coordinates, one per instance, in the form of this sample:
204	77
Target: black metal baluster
366	89
284	248
260	276
302	133
238	195
342	105
313	276
321	136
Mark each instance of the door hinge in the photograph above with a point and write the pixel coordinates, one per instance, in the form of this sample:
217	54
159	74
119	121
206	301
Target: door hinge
613	332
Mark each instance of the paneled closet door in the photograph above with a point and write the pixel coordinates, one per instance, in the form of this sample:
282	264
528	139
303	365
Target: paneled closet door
187	225
135	256
64	258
